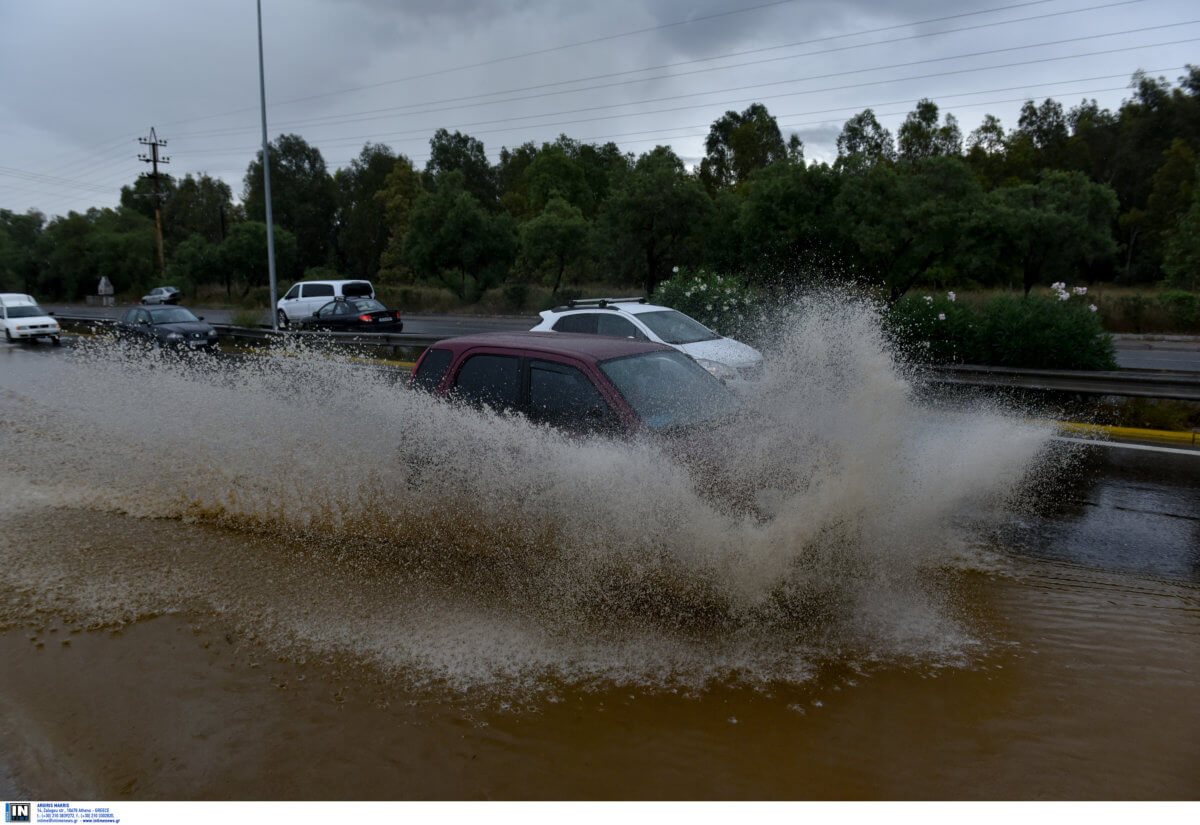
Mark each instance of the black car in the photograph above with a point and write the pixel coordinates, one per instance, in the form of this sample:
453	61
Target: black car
167	326
354	315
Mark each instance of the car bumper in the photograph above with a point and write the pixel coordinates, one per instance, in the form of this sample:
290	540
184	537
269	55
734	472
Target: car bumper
36	332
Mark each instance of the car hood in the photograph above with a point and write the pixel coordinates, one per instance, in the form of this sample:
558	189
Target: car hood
724	351
183	327
36	320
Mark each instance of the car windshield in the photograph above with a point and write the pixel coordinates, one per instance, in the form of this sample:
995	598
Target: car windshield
668	389
676	328
172	315
25	311
368	305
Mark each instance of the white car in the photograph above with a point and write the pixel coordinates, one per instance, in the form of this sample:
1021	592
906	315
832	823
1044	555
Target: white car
24	320
162	295
306	297
735	363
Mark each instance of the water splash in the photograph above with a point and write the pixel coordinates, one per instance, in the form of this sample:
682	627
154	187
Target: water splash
465	547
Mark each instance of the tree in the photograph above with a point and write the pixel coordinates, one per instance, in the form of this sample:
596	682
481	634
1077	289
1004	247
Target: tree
453	240
19	239
557	237
362	220
921	137
864	142
554	173
400	191
1181	262
199	206
738	144
462	153
787	221
1058	229
646	226
899	222
244	254
302	197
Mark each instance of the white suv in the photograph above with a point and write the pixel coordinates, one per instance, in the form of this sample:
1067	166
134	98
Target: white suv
732	361
306	297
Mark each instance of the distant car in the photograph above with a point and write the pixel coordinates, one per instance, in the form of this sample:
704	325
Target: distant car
306	297
24	320
354	315
733	362
579	383
162	295
167	326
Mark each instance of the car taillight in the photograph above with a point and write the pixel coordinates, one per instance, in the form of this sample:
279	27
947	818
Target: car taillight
397	314
367	318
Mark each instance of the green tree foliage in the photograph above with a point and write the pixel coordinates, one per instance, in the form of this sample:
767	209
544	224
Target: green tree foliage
740	143
1182	262
453	240
920	136
199	206
243	254
555	239
362	219
553	173
646	226
1056	228
863	142
20	237
464	154
787	223
400	191
303	200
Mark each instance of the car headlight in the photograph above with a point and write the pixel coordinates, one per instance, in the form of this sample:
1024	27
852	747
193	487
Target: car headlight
19	327
718	370
174	337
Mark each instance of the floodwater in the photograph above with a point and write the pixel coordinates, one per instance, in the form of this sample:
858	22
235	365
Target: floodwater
289	577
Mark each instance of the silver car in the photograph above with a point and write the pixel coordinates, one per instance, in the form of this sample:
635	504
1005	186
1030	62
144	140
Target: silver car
162	295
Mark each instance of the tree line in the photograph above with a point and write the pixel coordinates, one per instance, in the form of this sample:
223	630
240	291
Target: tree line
1082	194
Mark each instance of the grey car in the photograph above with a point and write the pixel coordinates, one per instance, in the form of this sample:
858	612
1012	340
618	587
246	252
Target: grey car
162	295
174	327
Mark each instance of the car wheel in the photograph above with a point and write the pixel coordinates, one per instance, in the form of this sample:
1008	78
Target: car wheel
283	319
8	336
54	340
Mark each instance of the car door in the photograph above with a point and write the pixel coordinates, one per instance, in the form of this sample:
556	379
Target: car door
313	297
563	396
324	316
486	379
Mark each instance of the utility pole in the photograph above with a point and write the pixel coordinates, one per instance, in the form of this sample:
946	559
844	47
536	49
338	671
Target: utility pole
262	95
155	159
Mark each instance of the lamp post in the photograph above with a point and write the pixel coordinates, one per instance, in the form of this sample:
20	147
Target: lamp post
262	93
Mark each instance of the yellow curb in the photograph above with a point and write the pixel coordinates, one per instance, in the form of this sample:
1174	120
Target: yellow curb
1130	433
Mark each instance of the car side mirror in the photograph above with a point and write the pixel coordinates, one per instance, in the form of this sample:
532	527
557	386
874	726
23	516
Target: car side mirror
49	313
199	317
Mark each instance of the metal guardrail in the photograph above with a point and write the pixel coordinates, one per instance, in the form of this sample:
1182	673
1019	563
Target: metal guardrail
1181	386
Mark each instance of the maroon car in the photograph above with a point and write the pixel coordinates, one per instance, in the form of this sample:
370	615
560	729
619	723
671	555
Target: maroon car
582	383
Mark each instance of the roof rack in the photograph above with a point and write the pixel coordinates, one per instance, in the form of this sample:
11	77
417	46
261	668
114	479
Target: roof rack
604	302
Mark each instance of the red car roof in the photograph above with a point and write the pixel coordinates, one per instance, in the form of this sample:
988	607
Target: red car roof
588	347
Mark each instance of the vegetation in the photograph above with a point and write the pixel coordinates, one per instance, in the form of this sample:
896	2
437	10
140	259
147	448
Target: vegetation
1081	195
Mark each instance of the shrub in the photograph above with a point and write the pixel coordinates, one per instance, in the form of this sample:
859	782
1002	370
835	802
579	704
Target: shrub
1183	308
1031	332
723	303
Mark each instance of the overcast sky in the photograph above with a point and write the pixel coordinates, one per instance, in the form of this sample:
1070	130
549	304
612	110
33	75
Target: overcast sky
84	80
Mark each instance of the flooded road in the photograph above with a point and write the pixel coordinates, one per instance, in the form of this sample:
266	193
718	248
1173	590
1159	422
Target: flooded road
293	580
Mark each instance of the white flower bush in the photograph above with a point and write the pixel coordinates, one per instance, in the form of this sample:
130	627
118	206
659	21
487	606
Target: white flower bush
721	302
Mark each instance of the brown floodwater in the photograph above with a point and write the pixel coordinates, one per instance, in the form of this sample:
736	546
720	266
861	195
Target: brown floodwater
290	579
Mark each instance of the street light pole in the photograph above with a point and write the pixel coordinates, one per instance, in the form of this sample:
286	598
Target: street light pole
262	92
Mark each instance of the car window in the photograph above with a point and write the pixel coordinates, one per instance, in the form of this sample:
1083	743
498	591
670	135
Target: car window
367	305
327	310
578	322
565	397
431	369
317	290
294	292
668	389
143	317
620	327
25	311
676	328
356	289
342	309
494	380
171	315
129	317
